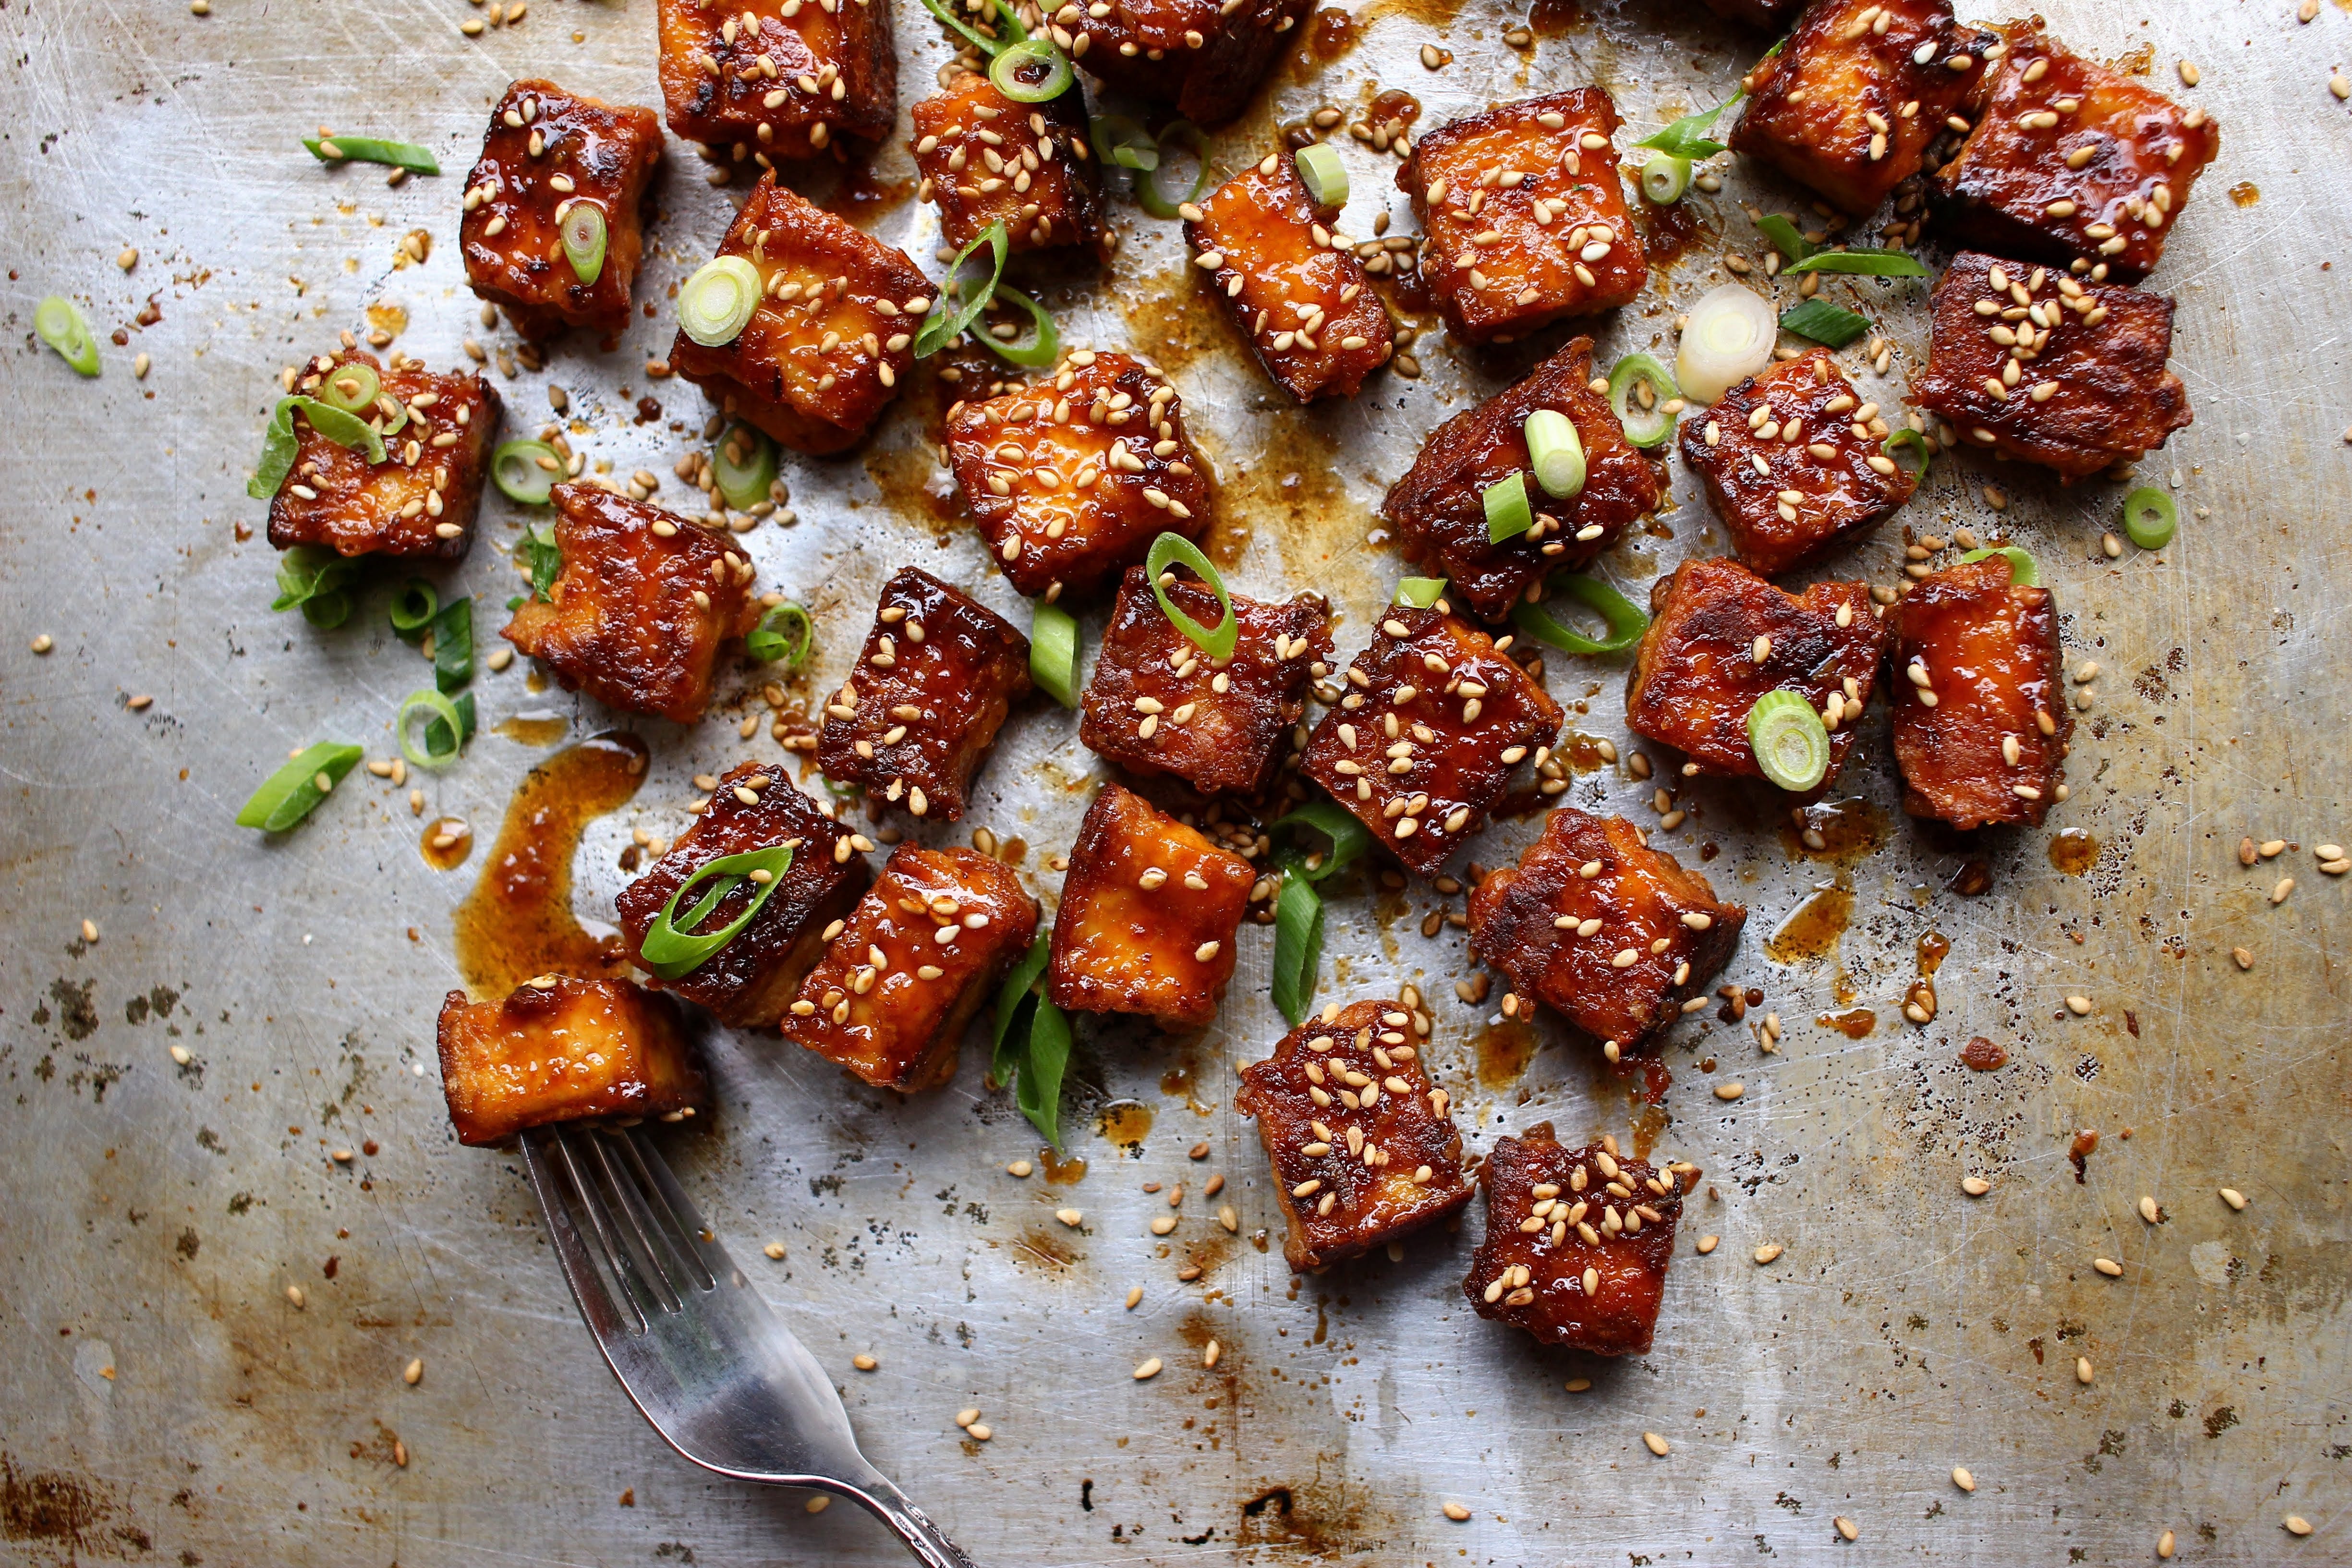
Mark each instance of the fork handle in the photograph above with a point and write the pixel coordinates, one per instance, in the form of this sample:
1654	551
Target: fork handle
926	1540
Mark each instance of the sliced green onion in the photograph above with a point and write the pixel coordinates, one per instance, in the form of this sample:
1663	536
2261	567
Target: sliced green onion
583	232
1791	743
58	321
294	790
1728	337
1039	1091
1869	263
1508	515
372	150
1824	323
1912	440
1298	947
413	606
1650	426
1015	69
1792	245
453	645
1688	138
280	444
1626	622
716	302
1152	194
1664	178
525	471
1011	1008
364	385
314	578
1013	32
1217	642
2022	570
1420	592
784	633
1557	453
1348	838
673	947
1123	142
942	327
1040	346
1053	653
744	465
1325	177
2150	518
443	724
543	558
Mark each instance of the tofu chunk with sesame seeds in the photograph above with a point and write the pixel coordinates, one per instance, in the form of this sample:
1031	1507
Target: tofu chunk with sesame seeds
547	150
558	1050
2069	162
907	971
421	500
1070	480
1524	218
1981	716
834	331
1157	704
778	79
1439	506
1577	1243
1849	104
1148	916
1294	288
637	615
1363	1146
2034	364
1433	719
938	674
1612	934
1204	57
747	982
983	158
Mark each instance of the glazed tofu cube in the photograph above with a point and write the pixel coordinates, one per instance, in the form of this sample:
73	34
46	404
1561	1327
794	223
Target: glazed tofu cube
824	352
781	79
1148	916
644	601
1981	714
747	982
1720	637
421	499
562	1050
2072	162
1525	218
984	158
938	672
1204	57
2038	366
1439	508
1293	287
1363	1146
1793	463
1850	103
1157	704
1433	722
906	973
546	152
1071	480
1611	933
1577	1242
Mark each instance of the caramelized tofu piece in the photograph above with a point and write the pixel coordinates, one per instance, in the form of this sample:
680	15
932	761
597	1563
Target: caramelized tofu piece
1577	1243
906	973
1148	916
1439	508
1294	288
1363	1146
1981	714
1071	479
644	601
1433	722
546	152
938	672
1720	637
1850	103
1525	220
2070	161
984	158
421	499
825	350
778	78
1613	934
562	1050
1205	56
1157	704
2038	366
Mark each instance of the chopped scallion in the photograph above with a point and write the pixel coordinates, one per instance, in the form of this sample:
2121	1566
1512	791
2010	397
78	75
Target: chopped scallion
1041	346
58	321
1174	549
526	471
784	633
1646	424
2150	518
543	558
1154	195
1664	178
1122	142
1688	138
1031	72
1824	322
583	231
1053	653
453	645
280	444
1349	840
1792	245
413	606
316	578
716	302
2022	570
1911	440
1325	177
1420	592
443	724
1298	947
1031	1044
1624	619
1867	263
1557	453
744	465
295	790
672	947
1791	742
372	150
944	323
352	388
1508	513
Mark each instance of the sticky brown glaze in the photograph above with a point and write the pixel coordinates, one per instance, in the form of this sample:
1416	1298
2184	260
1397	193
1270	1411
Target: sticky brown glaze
1439	506
938	674
560	1049
1988	651
1204	57
810	71
1363	1146
983	158
422	500
644	601
1148	916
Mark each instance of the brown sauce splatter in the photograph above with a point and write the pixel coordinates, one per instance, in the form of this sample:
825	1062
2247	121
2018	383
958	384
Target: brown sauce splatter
1555	18
2073	851
1061	1170
1972	881
861	197
1039	1247
1671	232
2086	1144
1392	104
914	487
1178	1083
1980	1055
1124	1124
1332	33
1934	948
533	728
1583	752
1504	1052
1814	930
1839	830
1854	1022
2245	193
446	843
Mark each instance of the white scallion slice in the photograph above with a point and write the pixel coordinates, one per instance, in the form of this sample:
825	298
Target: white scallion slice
1556	452
1727	338
716	302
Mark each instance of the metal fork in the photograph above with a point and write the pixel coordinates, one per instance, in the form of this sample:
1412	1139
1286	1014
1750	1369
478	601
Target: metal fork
717	1372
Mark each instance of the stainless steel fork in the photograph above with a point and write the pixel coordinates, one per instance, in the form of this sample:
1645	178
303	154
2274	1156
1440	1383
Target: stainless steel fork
717	1372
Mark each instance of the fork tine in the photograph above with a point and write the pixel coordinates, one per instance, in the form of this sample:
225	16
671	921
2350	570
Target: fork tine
673	1214
628	1272
664	1275
598	1304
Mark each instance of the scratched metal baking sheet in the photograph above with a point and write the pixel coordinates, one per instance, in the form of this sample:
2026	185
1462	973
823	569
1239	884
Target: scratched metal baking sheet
164	1401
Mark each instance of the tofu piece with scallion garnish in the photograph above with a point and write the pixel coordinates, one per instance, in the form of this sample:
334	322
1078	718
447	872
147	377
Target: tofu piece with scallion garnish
560	1049
421	500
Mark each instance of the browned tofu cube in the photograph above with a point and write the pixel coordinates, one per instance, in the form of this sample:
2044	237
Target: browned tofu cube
2072	162
1148	916
1204	57
1981	714
1616	936
1577	1243
1720	637
1157	704
1439	508
938	672
1070	480
421	499
547	150
1525	218
781	79
2040	367
828	343
984	158
1294	288
1433	722
561	1050
1363	1146
747	982
637	614
907	971
1853	98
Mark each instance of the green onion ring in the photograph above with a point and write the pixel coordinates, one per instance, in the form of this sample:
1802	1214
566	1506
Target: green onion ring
2022	569
58	322
1053	653
1556	452
1042	344
293	792
520	469
436	708
1420	592
784	633
1298	947
1216	642
372	150
744	465
1152	194
1508	513
672	947
1122	142
1350	840
1646	427
1911	439
1791	742
1325	177
367	386
716	302
1005	71
584	230
1626	621
1664	178
2150	518
414	607
942	326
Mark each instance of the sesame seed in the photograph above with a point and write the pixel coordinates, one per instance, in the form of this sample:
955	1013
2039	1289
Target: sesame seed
863	1362
1962	1478
1974	1187
2083	1369
1656	1444
1456	1512
979	1431
1708	1244
1069	1216
2233	1198
966	1417
775	1252
1150	1369
2108	1267
2298	1525
1846	1527
1768	1252
2150	1210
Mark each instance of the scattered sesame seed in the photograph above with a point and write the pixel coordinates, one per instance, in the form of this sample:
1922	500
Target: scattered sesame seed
979	1432
1729	1091
1846	1527
823	1500
90	931
294	1294
1962	1478
1974	1187
2164	1546
2083	1369
776	1251
1019	1168
1456	1512
1150	1369
179	1055
1069	1216
863	1362
43	643
1708	1244
2233	1198
2149	1211
1656	1444
2108	1267
2298	1525
1768	1252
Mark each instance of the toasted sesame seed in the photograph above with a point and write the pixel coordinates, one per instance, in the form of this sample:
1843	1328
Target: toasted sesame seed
1729	1091
2164	1546
1708	1244
967	1417
294	1294
1456	1512
2298	1525
1150	1369
1846	1527
1768	1252
2150	1210
2233	1198
1069	1216
1656	1444
1974	1187
1962	1478
863	1362
979	1432
775	1252
2083	1369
